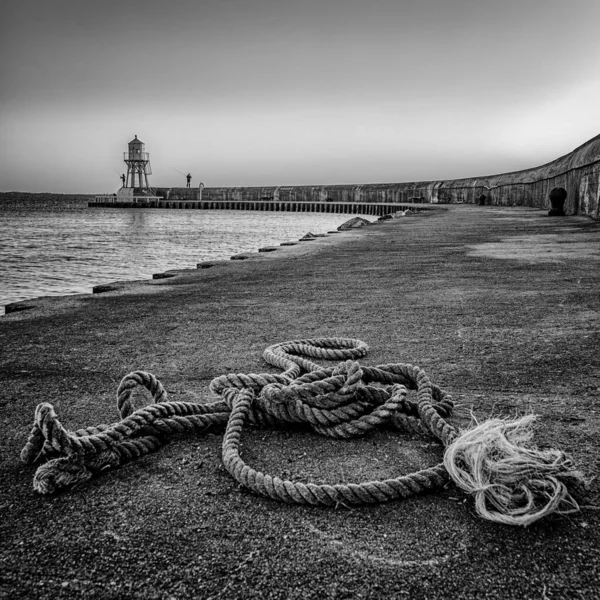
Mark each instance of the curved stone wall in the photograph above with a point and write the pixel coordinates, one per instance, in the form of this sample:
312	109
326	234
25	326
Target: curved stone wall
577	172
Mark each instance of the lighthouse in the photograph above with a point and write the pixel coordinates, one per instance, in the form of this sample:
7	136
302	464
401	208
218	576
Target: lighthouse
136	190
138	165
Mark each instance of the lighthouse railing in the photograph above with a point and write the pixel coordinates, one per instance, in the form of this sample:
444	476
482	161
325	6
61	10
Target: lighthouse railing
136	156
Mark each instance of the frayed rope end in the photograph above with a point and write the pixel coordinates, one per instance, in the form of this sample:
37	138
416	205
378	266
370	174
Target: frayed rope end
513	482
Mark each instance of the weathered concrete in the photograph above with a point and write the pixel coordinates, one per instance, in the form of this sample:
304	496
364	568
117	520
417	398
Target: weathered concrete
180	194
501	306
578	172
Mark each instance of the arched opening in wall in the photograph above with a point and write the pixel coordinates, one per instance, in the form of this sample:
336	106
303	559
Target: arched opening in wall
557	200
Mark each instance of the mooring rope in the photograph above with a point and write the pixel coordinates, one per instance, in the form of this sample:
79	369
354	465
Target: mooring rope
345	401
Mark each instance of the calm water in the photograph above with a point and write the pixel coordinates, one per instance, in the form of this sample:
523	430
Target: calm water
51	248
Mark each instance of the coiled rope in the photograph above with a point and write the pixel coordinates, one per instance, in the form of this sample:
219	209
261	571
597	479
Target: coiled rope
345	401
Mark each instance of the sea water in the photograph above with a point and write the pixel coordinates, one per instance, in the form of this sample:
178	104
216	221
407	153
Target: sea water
51	247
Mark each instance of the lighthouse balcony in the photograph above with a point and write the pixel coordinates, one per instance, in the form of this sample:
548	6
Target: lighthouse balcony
136	155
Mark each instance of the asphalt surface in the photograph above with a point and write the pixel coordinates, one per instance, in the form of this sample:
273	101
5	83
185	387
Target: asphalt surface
501	307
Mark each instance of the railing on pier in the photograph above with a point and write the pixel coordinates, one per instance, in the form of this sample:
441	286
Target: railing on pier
120	202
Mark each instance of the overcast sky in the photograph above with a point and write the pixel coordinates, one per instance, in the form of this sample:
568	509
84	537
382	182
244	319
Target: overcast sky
281	92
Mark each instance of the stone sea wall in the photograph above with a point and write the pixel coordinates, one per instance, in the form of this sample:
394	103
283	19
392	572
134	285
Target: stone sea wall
186	194
577	172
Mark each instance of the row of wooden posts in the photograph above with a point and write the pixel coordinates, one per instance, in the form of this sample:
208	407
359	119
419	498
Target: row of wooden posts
374	209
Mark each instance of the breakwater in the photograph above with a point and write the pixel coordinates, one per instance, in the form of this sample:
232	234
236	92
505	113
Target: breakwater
577	172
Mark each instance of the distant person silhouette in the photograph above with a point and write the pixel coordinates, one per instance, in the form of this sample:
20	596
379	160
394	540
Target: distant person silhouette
123	179
189	179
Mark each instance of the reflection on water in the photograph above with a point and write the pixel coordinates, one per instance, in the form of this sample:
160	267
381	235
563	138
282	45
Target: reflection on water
49	251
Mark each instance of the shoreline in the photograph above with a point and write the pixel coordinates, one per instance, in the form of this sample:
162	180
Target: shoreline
135	285
101	281
500	306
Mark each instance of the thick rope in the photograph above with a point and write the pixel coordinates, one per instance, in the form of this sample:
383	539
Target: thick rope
345	401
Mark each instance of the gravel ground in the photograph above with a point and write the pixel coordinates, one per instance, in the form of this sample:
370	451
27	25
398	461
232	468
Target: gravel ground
501	306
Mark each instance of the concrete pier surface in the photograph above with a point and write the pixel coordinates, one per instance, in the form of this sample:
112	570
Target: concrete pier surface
500	306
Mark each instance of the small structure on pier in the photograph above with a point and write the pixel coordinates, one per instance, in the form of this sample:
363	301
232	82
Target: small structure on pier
138	168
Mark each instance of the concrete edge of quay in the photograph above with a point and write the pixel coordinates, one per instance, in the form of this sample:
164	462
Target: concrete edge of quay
499	305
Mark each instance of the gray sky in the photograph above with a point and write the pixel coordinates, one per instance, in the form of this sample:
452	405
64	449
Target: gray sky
280	92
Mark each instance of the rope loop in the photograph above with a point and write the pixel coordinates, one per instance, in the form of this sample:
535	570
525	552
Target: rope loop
125	404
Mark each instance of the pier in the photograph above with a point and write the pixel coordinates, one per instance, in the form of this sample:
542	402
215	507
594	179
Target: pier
354	208
577	174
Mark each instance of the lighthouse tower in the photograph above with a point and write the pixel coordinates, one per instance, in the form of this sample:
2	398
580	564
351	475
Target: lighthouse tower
138	165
